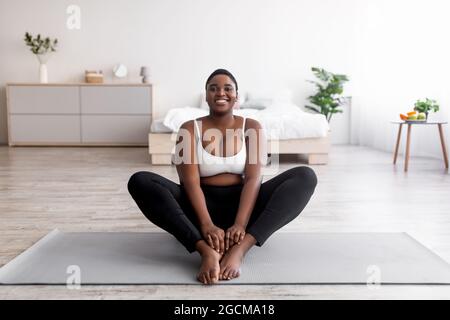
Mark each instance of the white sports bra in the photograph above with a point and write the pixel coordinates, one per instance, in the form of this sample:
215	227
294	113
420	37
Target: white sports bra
211	165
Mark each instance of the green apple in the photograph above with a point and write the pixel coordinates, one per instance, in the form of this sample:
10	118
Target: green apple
413	117
421	116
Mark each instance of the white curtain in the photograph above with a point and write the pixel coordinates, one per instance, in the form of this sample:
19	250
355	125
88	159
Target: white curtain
402	53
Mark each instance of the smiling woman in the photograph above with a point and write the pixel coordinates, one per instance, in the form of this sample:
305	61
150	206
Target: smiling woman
214	91
220	208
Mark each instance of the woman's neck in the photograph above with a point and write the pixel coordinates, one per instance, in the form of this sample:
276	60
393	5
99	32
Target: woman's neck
223	120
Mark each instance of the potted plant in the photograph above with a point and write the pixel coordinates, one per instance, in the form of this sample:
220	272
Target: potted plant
41	47
425	106
329	97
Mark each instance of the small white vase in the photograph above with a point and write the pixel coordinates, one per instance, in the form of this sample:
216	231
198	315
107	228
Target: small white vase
43	72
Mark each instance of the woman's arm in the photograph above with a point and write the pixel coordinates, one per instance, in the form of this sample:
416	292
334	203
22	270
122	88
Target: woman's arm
187	168
256	158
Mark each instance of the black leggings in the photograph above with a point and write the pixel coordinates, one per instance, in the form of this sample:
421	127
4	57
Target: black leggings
279	201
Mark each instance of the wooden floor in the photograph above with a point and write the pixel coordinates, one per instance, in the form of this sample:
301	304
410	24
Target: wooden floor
84	189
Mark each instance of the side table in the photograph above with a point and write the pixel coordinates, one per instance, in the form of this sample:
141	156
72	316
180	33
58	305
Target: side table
408	138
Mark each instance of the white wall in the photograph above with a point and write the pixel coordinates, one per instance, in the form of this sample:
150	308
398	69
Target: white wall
266	44
403	54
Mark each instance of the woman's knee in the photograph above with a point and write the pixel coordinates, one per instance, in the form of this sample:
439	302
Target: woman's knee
139	180
306	175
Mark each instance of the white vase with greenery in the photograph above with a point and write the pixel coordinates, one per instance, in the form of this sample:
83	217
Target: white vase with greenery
42	48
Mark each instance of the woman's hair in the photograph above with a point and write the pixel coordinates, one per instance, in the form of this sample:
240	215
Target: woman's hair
221	71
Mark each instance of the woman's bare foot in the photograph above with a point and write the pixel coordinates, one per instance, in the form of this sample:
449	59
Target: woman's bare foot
210	267
230	265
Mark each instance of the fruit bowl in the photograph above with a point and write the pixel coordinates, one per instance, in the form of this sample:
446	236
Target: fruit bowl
413	117
416	121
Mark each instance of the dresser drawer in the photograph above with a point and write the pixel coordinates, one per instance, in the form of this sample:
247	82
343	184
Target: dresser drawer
44	129
115	100
43	99
115	129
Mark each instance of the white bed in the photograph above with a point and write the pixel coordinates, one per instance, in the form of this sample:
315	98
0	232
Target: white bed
289	130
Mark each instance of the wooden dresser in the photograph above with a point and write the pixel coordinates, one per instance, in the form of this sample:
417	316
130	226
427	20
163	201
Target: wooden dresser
78	114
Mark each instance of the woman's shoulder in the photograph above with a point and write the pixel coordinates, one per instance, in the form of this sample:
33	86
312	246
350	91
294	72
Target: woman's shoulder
202	118
251	123
188	125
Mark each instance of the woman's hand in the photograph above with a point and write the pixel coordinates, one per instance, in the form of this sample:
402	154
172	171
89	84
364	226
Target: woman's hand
214	236
234	235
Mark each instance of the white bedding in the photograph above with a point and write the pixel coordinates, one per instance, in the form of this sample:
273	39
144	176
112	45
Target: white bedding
281	121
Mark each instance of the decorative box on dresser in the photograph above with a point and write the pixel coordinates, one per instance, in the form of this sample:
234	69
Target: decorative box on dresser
79	114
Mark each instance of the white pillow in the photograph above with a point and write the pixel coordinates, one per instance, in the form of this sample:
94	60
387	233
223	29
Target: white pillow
258	104
175	117
275	97
204	104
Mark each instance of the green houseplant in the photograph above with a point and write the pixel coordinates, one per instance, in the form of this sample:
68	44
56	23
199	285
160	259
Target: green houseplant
425	106
42	48
329	97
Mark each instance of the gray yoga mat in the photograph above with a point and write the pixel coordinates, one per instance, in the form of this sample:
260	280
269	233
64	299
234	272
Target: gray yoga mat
286	258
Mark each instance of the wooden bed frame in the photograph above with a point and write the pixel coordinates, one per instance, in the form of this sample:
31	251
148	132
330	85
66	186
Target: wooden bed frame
161	146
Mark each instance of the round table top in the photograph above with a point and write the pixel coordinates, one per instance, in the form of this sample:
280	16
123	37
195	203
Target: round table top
418	122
